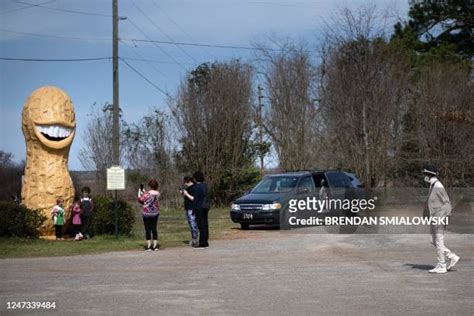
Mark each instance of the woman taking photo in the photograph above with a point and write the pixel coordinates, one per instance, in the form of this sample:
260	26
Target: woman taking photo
151	210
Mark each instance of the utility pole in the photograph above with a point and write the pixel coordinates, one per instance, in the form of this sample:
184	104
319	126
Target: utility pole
116	106
260	128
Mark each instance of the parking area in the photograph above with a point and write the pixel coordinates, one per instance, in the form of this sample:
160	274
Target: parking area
263	272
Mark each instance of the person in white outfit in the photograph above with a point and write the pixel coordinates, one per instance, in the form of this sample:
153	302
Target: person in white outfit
439	205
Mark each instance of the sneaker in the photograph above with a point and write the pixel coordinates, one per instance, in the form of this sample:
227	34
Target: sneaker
452	262
201	247
147	248
440	268
154	248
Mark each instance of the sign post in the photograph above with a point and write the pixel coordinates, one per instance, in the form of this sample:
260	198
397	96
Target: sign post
115	181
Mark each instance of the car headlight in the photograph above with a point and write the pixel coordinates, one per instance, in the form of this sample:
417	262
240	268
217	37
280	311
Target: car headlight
273	206
235	207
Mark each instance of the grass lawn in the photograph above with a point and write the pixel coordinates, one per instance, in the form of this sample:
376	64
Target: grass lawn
173	231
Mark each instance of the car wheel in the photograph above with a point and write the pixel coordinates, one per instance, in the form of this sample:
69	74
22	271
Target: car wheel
244	226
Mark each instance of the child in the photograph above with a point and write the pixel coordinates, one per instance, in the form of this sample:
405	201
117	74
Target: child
76	220
87	207
57	214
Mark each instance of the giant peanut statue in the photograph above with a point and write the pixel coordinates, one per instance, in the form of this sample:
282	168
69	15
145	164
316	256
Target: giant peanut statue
48	124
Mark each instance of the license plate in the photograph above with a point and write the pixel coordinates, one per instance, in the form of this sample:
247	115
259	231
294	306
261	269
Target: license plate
247	216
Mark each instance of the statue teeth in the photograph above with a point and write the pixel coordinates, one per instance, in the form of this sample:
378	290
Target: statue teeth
56	131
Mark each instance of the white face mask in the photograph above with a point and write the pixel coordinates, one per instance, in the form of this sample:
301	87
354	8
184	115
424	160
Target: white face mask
427	179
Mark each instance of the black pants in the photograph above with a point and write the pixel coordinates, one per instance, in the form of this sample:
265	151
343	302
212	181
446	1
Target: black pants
77	229
203	226
150	227
58	229
86	229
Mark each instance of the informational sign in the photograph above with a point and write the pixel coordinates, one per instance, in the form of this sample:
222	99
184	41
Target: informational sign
115	178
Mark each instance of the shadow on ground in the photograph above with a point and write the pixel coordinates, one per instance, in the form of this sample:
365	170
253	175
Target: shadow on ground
419	266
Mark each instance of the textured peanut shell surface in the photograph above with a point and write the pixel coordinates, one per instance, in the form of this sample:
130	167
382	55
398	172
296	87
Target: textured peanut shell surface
48	124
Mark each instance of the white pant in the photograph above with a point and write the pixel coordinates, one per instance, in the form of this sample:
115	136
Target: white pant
437	235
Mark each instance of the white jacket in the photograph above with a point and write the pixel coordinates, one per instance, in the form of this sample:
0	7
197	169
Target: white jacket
438	201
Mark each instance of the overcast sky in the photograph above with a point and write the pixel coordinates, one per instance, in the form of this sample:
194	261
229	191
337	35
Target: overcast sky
83	29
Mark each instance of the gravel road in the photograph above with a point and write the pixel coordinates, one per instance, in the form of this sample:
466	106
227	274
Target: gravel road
265	273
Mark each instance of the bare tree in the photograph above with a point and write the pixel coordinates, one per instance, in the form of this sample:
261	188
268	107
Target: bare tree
97	151
291	118
212	113
148	152
363	91
445	115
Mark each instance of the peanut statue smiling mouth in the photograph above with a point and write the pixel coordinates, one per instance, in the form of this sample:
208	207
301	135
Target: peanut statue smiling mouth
48	124
55	134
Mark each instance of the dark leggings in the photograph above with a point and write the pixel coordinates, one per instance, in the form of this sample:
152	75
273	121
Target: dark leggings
150	227
77	229
59	231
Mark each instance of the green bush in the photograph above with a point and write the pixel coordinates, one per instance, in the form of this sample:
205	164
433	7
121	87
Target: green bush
103	216
19	221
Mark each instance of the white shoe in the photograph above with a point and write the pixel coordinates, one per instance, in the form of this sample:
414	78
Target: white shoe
452	262
440	268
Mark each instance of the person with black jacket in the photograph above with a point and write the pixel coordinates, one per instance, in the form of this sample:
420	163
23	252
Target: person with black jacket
201	206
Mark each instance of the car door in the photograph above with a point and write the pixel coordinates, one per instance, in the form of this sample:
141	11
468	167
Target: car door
305	190
305	187
339	185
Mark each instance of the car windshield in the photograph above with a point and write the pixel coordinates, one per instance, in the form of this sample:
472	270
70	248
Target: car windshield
276	184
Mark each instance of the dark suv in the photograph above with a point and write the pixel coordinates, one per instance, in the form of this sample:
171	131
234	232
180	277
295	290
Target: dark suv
268	201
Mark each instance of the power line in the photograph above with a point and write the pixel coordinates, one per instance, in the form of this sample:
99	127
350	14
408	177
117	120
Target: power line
143	59
152	60
146	79
205	45
282	4
55	60
58	36
150	41
177	25
62	10
161	31
27	7
192	44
